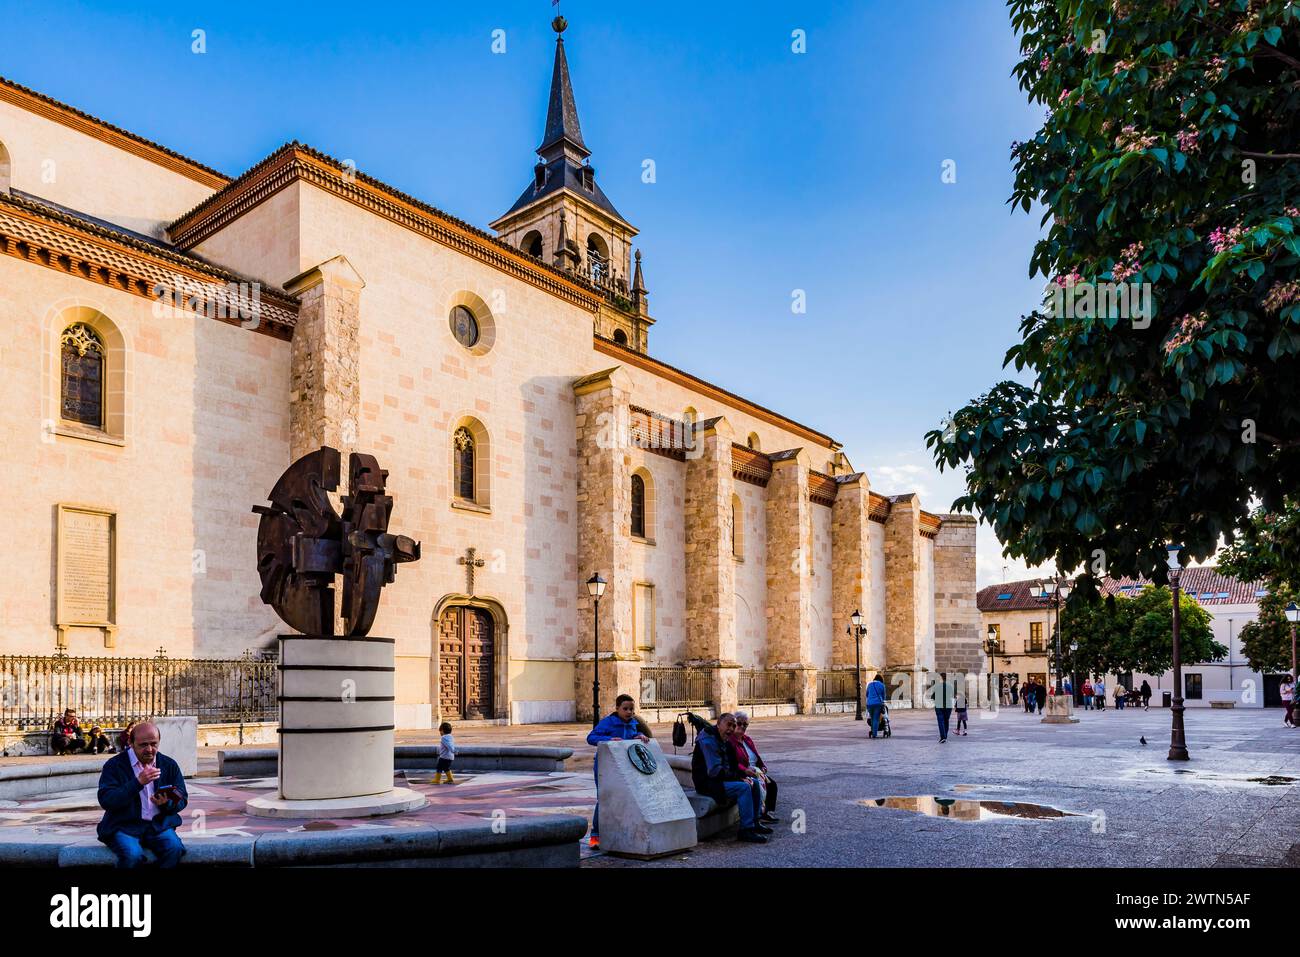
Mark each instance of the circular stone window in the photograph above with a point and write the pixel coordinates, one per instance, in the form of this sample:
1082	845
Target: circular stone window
464	327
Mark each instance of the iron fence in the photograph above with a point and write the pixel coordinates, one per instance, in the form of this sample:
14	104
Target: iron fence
767	687
836	685
675	687
35	689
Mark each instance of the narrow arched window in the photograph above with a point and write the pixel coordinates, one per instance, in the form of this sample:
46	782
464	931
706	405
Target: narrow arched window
464	468
82	388
737	527
620	337
638	506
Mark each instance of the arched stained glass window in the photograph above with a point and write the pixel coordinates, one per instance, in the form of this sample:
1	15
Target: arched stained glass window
464	459
638	506
82	388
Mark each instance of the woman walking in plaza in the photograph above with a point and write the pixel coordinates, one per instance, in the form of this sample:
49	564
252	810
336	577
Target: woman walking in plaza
1015	691
1040	693
1287	690
1099	690
1087	695
1146	695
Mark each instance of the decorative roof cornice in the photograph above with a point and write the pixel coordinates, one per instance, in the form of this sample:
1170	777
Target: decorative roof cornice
662	369
821	488
296	162
750	465
45	237
75	119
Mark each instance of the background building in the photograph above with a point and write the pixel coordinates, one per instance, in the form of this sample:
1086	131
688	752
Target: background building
1025	626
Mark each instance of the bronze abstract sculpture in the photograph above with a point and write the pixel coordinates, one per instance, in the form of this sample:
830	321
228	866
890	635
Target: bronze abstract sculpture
302	543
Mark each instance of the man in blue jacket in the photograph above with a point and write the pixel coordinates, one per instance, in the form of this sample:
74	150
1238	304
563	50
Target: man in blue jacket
715	773
142	792
875	703
621	725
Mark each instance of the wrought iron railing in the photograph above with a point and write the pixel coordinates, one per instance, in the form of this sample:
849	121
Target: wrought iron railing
767	687
675	687
35	689
836	685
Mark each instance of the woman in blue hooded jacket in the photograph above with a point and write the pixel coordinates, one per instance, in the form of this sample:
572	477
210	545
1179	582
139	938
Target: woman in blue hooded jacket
621	725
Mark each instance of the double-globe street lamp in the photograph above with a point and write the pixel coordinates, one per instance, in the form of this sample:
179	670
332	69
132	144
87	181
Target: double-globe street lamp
1177	736
595	588
1293	616
1055	591
857	630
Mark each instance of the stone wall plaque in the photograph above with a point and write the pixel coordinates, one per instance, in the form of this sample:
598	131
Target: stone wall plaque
86	572
644	812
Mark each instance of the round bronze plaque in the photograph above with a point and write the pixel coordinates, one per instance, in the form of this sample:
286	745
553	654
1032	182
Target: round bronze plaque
642	759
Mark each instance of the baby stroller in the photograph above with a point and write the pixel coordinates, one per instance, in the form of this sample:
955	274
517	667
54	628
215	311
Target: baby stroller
883	725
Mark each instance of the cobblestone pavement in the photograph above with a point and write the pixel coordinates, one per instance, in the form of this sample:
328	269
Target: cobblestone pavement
1127	804
1134	806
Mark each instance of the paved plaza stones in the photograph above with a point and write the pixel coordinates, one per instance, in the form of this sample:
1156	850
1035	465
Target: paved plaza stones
1233	804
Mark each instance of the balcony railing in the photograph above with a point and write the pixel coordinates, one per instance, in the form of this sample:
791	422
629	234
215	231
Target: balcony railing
36	689
767	687
675	687
836	685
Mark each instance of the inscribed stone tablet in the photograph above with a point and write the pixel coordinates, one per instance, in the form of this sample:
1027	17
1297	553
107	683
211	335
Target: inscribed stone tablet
85	566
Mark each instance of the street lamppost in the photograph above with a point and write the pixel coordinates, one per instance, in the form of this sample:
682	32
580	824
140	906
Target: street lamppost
1060	592
857	630
595	588
1293	616
991	648
1177	737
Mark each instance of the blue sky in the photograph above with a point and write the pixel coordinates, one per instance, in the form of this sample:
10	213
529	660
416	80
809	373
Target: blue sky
776	171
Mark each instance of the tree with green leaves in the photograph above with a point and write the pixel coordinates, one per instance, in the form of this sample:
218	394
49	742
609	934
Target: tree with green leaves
1266	641
1268	549
1168	162
1117	634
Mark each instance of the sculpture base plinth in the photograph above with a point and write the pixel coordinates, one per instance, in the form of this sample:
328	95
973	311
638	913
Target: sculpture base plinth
1060	710
367	805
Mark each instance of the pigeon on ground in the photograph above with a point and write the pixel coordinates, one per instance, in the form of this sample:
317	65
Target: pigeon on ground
1143	739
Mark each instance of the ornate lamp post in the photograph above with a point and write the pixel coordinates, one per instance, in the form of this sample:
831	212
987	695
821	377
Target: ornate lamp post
857	630
1060	593
991	647
1177	738
1293	616
595	588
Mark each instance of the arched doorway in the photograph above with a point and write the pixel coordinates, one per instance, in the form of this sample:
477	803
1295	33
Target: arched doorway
467	656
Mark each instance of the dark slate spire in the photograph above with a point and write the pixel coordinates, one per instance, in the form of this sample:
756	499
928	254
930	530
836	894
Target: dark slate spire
563	132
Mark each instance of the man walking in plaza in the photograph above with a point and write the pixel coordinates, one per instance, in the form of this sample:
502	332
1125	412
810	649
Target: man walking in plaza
944	697
142	792
1099	689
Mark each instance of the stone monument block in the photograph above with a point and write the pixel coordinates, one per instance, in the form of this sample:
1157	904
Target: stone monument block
178	738
644	812
1060	710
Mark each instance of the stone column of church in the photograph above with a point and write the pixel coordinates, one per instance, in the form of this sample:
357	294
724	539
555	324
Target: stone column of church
958	644
604	538
710	568
902	590
789	583
324	369
325	384
850	570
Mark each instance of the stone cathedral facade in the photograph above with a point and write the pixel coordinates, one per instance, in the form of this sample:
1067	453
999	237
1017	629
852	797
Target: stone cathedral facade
174	338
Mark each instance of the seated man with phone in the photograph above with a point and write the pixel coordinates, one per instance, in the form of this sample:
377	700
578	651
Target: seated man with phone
142	793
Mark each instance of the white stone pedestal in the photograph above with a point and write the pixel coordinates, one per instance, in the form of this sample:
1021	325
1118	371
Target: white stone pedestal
642	815
178	738
1060	710
336	731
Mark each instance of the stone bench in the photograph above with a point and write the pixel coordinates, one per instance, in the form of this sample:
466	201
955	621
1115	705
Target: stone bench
1223	699
33	779
710	819
263	762
546	842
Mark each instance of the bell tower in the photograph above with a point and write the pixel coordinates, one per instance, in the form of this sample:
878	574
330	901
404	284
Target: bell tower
565	219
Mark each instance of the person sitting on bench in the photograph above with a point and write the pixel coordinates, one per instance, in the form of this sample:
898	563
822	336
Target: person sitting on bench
716	774
66	736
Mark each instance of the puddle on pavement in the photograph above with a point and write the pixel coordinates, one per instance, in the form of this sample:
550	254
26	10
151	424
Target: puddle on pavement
1273	780
960	809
